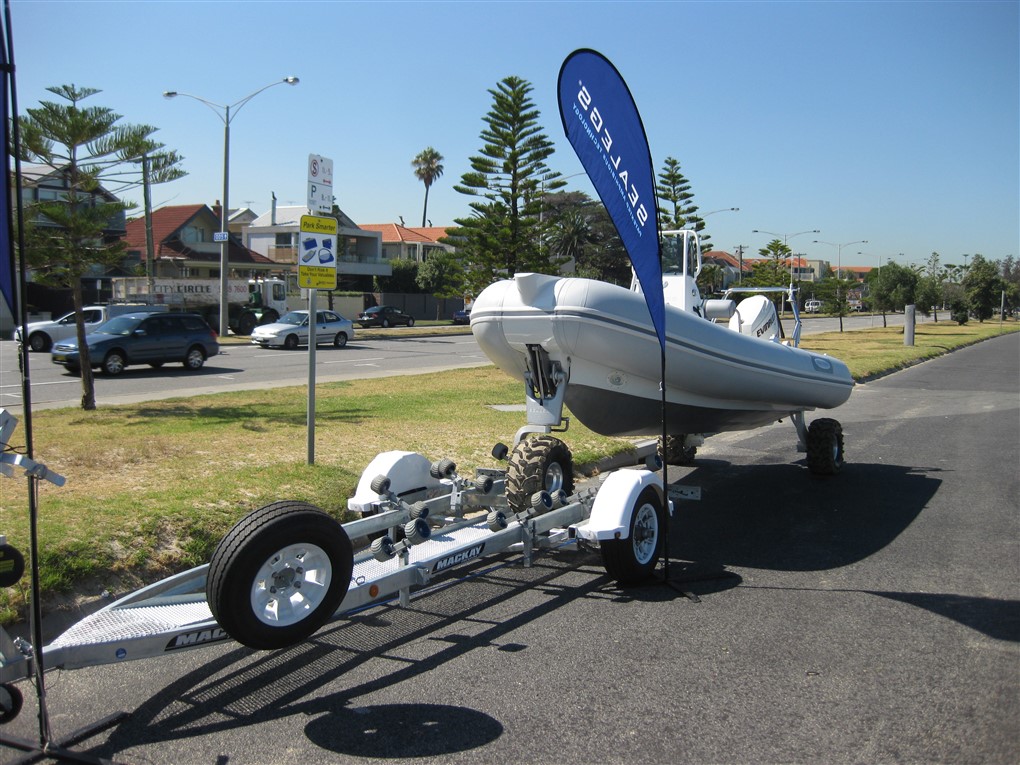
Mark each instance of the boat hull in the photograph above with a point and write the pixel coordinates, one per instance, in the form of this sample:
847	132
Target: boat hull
716	379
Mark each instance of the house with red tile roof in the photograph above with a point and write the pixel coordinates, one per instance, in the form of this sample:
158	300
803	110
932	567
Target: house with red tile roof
409	243
183	245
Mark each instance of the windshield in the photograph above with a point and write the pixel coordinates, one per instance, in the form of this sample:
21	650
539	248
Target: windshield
122	325
297	318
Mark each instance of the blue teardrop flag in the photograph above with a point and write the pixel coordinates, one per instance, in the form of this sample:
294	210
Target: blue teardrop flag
602	123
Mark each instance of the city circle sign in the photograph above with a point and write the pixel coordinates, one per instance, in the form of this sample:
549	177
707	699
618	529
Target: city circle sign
317	250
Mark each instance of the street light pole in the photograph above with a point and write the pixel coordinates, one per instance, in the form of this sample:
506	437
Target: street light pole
226	117
839	273
786	238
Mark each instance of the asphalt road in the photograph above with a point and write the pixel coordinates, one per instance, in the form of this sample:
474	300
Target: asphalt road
870	617
241	367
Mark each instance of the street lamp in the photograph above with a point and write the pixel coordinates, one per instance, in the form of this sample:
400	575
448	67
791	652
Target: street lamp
725	209
787	237
223	112
839	253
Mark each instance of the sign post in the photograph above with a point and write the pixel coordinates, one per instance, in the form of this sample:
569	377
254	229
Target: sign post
316	271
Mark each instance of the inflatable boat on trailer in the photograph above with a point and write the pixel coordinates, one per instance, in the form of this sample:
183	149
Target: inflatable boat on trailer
591	346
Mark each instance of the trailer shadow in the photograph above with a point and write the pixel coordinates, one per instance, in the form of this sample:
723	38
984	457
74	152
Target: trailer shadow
780	517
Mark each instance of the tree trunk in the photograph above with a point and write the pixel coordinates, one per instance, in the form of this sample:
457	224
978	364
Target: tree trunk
88	386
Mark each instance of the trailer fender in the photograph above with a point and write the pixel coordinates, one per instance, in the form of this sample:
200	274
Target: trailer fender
614	503
410	479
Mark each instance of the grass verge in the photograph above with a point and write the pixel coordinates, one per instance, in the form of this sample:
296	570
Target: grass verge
152	487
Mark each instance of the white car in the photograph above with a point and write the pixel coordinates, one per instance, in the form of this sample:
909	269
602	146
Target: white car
813	306
292	330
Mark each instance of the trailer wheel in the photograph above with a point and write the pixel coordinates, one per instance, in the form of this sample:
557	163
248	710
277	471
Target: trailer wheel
11	702
825	447
444	468
631	560
279	574
537	464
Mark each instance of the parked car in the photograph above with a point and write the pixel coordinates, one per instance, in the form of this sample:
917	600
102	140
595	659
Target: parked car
384	316
142	338
813	306
292	330
463	316
43	334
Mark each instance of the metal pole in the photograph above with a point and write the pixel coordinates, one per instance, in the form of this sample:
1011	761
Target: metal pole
311	376
224	245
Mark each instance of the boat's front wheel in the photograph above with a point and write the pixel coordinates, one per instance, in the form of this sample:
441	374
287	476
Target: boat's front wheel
677	451
540	463
279	574
825	447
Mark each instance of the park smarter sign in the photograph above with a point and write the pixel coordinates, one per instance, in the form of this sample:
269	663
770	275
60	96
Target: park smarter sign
317	253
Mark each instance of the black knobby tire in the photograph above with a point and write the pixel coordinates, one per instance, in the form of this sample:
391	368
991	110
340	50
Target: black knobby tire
536	464
279	574
677	452
825	447
632	560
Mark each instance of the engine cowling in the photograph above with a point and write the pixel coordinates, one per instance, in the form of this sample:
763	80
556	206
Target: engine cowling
756	316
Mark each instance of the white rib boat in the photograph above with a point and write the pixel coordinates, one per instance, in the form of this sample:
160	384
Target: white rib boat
593	346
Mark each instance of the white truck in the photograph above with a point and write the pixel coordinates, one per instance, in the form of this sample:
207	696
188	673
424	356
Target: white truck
41	335
251	302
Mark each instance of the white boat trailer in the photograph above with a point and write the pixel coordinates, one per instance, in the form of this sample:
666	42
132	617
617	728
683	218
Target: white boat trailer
623	513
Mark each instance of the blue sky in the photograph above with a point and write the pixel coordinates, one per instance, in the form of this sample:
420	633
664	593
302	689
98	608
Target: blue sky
894	122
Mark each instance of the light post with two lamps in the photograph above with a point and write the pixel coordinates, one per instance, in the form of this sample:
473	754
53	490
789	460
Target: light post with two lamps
786	238
839	273
223	111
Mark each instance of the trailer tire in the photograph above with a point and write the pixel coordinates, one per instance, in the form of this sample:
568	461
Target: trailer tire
631	560
279	574
536	464
825	447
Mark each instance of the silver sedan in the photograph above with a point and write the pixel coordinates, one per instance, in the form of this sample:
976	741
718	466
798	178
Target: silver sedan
292	330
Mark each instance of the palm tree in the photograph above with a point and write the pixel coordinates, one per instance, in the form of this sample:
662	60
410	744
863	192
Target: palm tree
428	167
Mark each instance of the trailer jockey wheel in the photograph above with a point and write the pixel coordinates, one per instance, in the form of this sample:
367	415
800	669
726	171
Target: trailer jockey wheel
279	574
540	463
12	564
11	701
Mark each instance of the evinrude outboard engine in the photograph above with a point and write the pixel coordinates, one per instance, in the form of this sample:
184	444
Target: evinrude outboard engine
756	316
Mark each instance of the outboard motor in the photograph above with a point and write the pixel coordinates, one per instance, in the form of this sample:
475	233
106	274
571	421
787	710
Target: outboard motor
756	316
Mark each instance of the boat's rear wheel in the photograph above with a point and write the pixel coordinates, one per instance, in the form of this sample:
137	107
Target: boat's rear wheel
539	463
677	452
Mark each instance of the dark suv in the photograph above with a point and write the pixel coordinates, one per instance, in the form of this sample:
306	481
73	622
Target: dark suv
143	338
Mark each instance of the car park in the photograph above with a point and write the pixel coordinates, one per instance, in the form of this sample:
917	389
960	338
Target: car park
142	338
292	330
384	316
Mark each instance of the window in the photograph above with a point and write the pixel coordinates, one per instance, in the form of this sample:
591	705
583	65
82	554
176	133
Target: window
192	234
